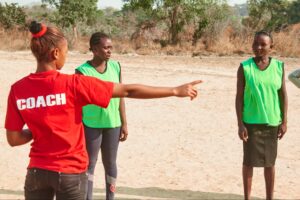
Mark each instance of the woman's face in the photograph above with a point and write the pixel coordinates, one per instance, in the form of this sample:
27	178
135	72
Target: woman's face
103	49
262	45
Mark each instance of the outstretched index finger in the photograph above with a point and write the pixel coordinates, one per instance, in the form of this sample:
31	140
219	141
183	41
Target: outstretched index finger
196	82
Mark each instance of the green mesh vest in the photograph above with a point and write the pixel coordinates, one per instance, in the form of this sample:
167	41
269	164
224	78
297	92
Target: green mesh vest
261	99
95	116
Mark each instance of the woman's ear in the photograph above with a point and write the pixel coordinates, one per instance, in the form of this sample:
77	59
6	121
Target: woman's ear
55	53
93	49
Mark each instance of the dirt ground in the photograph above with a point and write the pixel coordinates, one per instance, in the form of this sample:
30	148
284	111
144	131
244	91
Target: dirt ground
177	148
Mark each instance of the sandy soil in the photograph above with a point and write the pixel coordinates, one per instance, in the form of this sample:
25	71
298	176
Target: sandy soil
177	148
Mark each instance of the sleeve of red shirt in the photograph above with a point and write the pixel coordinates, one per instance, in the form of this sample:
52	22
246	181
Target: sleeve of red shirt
13	120
90	90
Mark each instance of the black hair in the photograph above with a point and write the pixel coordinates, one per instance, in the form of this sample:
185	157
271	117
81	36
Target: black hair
42	46
96	38
265	33
35	27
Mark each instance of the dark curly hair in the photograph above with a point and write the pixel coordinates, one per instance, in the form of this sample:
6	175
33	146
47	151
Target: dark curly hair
96	38
265	33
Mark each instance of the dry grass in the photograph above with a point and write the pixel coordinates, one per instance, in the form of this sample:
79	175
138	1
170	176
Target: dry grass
287	43
228	42
14	40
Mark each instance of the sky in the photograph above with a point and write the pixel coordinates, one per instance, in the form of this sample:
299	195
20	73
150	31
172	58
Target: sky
101	3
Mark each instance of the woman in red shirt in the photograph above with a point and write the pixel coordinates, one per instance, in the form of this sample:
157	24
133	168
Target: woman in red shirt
50	104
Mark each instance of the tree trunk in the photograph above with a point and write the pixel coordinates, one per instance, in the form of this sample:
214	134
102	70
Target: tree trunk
75	33
173	26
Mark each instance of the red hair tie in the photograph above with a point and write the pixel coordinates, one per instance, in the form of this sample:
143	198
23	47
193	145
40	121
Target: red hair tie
41	33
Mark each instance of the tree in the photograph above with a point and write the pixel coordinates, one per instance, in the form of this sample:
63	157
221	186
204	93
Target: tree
173	13
176	14
267	14
294	12
12	15
147	14
39	12
69	13
205	14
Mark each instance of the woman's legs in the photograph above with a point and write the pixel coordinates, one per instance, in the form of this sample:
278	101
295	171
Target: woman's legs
109	149
247	180
260	150
71	186
93	137
269	170
269	173
108	140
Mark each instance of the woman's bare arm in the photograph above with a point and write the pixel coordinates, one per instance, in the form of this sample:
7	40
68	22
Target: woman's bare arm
16	138
139	91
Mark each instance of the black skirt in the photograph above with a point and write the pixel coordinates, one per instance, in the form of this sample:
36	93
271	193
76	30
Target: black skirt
260	150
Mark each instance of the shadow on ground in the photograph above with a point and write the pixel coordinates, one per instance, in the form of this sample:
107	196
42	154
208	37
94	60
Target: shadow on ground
149	193
159	193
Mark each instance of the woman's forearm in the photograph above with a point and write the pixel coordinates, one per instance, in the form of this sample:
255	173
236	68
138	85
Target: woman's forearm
284	99
283	106
239	112
16	138
122	112
146	92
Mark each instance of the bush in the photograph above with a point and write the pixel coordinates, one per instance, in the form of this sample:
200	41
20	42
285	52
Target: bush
12	15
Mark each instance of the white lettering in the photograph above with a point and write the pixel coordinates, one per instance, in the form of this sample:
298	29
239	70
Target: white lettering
60	99
30	103
50	100
21	103
41	101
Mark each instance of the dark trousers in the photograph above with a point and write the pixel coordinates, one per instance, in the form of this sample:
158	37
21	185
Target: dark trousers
45	184
106	140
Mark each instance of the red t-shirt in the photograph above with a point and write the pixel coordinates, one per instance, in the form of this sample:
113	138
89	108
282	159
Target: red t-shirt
50	104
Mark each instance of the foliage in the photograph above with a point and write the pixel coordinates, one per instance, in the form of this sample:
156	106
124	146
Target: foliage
147	14
241	10
71	12
12	15
177	14
171	12
267	14
108	20
159	23
206	15
294	12
40	13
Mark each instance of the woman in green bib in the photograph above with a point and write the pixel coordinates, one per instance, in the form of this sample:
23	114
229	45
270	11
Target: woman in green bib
261	107
104	128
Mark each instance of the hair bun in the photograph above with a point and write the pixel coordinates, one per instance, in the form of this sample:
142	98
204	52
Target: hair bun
35	27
